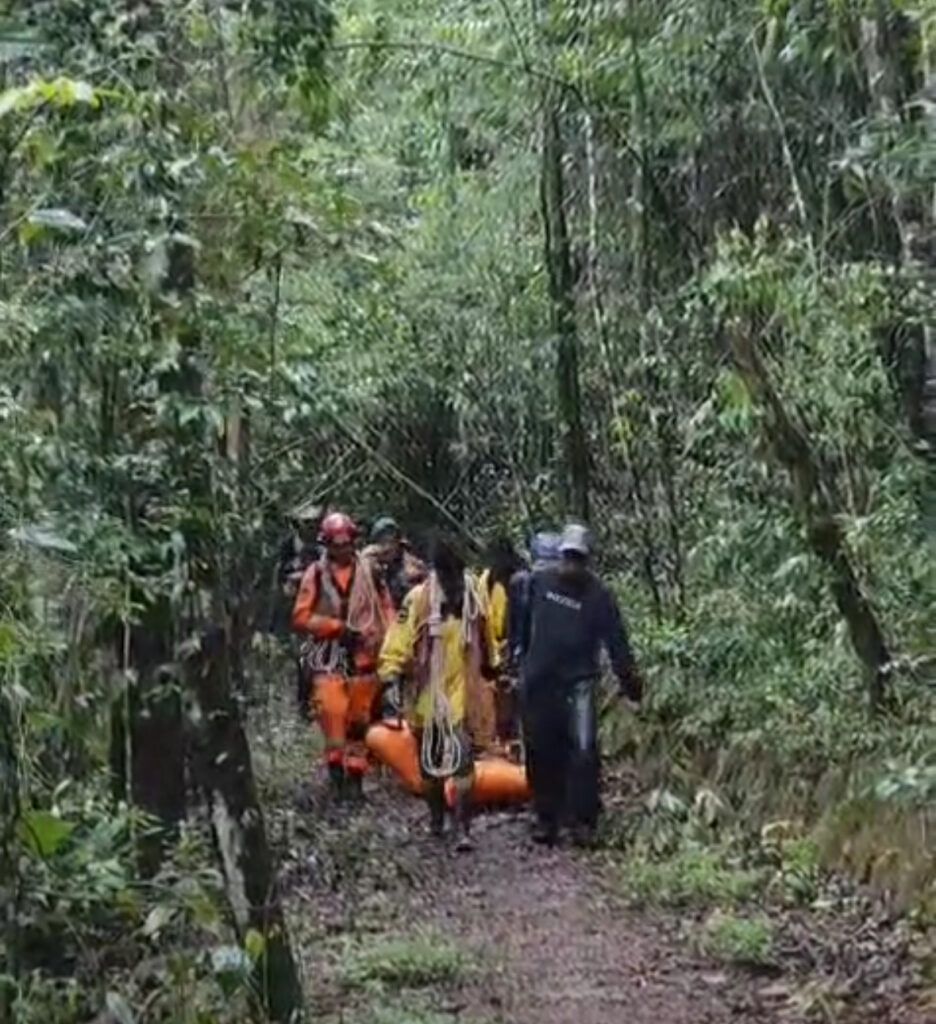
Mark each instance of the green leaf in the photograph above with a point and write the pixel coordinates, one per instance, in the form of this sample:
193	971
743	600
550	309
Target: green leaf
44	833
255	944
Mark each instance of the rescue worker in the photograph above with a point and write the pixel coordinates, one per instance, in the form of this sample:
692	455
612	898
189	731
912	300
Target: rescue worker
442	645
499	718
297	552
570	616
399	569
343	612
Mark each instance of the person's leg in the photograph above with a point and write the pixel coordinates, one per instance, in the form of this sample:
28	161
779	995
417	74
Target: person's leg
507	714
546	750
434	793
483	724
584	789
462	781
330	706
362	694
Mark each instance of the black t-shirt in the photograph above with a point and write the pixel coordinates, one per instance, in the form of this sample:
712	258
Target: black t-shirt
568	622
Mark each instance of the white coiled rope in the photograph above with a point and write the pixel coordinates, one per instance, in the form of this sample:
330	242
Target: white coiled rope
441	753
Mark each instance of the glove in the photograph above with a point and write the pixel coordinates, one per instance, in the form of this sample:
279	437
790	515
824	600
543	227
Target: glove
391	699
351	639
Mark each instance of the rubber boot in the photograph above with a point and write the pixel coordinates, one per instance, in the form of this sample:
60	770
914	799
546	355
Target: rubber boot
462	815
545	832
584	836
336	780
354	787
435	798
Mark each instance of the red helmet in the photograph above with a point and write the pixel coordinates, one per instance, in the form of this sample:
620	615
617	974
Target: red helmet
337	528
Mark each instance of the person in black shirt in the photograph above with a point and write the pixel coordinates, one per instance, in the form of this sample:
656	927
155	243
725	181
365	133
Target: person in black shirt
570	617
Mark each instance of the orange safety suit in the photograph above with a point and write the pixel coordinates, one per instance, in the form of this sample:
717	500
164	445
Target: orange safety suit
333	599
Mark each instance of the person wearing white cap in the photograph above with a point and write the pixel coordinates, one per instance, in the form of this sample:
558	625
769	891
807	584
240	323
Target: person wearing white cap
570	617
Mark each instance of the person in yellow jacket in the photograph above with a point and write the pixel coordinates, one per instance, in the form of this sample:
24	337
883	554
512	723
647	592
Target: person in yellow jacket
443	647
499	714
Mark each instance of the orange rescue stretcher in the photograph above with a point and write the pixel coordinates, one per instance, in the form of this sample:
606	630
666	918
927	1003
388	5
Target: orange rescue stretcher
497	781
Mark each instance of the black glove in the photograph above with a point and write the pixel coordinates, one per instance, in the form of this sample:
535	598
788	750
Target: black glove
351	639
391	699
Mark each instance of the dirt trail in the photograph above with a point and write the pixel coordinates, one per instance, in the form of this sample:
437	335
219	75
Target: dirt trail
550	940
565	947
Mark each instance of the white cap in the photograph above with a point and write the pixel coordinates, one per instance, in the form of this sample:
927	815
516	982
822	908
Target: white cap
576	540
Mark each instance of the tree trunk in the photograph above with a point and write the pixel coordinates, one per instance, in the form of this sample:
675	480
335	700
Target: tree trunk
157	744
883	52
815	509
562	309
226	774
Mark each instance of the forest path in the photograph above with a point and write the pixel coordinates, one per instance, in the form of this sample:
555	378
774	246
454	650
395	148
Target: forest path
394	927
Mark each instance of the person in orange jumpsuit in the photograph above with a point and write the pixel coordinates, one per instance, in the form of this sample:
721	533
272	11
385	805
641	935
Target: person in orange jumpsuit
343	611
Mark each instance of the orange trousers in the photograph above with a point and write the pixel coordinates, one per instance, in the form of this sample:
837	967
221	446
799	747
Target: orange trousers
343	707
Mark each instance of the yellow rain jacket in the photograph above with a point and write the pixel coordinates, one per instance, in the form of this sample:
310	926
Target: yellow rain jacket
496	604
406	652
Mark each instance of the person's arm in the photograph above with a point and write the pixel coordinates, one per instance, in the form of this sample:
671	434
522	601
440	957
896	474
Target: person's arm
396	652
304	619
614	637
396	656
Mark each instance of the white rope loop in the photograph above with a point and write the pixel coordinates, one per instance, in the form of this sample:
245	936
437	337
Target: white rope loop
441	753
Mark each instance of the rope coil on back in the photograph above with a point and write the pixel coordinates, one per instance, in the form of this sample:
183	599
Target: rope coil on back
364	616
441	753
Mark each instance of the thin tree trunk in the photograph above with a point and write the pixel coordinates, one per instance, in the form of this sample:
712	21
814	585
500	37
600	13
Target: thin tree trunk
9	868
157	745
562	308
815	509
226	775
914	214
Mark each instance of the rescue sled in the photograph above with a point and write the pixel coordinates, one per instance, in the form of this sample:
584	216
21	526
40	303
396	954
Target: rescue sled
395	746
497	783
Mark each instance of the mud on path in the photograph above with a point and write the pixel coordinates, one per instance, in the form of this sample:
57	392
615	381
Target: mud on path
394	928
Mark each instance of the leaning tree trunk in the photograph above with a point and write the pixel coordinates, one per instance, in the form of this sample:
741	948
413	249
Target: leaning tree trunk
226	776
816	511
562	307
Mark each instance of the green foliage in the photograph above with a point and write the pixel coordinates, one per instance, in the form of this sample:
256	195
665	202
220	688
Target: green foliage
258	253
746	941
693	877
406	963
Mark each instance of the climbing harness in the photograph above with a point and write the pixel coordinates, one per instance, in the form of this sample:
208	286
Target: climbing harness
441	751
